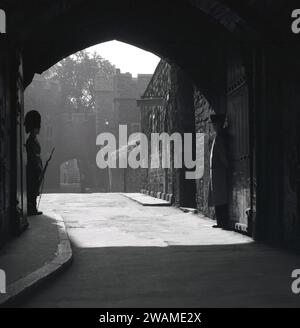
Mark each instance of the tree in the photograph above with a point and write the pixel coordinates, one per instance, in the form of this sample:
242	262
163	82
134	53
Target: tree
76	75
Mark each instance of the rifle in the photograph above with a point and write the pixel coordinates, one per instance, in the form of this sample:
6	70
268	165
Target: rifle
43	176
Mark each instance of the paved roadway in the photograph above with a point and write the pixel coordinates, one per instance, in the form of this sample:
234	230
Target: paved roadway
127	255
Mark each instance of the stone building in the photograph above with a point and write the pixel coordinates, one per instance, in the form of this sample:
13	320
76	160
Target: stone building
116	104
171	103
72	134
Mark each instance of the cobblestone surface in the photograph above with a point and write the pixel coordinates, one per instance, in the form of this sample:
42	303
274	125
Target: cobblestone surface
129	255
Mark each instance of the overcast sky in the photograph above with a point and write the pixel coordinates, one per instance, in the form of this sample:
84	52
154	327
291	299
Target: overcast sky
126	57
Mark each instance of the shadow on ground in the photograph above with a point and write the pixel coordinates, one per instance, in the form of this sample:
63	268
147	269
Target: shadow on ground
31	250
248	275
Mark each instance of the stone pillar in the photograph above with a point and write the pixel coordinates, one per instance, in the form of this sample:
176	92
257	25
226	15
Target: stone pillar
269	145
5	149
186	189
12	177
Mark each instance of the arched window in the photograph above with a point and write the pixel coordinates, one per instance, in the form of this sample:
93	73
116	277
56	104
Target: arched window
2	21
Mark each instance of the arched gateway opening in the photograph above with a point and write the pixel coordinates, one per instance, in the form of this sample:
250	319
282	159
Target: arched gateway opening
220	50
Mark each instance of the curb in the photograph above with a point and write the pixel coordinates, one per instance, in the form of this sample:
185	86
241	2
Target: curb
189	210
148	204
33	280
159	195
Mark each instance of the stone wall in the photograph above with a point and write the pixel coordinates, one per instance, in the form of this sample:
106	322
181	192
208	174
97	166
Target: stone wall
5	151
168	106
13	205
157	110
184	109
203	111
291	155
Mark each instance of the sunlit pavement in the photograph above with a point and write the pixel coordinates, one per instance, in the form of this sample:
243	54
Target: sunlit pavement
128	255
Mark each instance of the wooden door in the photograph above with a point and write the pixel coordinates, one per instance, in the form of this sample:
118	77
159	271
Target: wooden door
239	140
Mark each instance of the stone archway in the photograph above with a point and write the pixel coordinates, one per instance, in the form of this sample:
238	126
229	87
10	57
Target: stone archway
40	35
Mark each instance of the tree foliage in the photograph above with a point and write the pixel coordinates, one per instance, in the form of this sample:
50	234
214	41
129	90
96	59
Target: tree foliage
76	75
